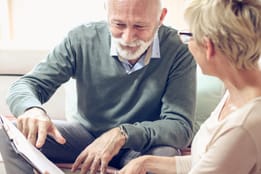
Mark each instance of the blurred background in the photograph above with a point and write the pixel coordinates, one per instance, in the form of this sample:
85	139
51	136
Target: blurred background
41	24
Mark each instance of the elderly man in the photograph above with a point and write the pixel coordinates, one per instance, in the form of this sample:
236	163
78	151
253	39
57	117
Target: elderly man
135	85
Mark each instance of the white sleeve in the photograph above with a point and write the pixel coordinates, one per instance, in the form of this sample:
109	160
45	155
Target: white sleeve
226	153
183	164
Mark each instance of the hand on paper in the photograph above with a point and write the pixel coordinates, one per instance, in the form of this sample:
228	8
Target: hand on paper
98	154
36	125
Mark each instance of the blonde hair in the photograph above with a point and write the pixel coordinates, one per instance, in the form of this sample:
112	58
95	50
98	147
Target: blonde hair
234	27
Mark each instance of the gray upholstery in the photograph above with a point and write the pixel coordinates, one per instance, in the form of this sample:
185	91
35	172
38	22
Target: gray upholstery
209	92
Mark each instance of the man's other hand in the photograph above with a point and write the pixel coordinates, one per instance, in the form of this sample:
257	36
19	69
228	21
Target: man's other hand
35	124
98	154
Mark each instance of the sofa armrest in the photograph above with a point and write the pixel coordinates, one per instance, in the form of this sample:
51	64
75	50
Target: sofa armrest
55	106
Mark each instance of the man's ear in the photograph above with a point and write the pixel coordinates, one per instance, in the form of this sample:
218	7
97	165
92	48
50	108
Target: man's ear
210	48
163	14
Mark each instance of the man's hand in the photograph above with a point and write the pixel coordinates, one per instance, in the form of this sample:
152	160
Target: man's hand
99	153
36	125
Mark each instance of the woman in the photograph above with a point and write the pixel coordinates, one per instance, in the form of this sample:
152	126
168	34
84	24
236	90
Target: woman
225	40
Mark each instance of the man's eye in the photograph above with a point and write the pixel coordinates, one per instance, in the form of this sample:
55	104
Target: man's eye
140	27
119	25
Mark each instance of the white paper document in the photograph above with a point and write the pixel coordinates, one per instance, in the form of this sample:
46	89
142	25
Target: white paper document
30	153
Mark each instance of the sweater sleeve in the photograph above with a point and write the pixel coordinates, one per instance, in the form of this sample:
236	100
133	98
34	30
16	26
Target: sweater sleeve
37	86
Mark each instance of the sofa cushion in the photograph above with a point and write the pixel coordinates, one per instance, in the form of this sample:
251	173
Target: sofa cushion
19	61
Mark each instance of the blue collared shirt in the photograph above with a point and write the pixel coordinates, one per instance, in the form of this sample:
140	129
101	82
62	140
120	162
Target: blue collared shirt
129	68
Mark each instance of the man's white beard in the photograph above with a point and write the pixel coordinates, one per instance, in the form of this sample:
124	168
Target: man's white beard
128	54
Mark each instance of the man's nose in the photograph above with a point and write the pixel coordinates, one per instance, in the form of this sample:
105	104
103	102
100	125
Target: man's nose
129	35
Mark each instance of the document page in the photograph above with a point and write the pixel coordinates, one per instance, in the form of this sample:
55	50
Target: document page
30	153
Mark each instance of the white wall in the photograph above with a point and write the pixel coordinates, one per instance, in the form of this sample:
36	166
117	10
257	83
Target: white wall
4	22
41	24
174	16
45	22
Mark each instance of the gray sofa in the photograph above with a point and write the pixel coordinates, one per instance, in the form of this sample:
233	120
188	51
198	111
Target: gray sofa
209	92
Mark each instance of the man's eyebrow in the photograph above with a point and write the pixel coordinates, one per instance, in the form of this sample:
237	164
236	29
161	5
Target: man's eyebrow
116	20
142	23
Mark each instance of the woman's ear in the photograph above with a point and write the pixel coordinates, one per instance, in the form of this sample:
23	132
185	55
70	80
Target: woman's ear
210	48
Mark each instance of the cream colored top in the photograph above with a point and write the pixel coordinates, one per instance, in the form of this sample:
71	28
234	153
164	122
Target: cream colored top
229	146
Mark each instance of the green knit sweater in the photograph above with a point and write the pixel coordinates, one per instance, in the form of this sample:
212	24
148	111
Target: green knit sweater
154	104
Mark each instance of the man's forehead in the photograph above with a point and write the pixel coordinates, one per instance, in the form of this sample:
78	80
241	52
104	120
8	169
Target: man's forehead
132	16
139	7
134	2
